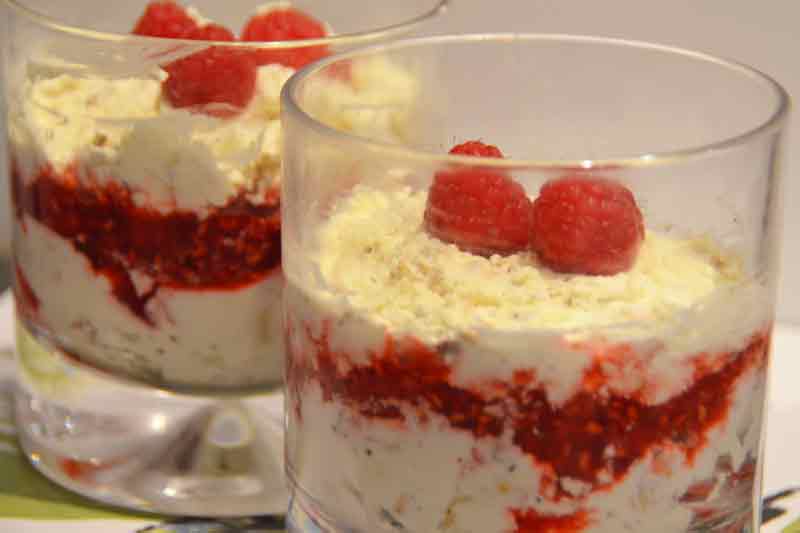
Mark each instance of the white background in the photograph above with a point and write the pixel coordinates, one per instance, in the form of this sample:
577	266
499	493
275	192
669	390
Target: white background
762	34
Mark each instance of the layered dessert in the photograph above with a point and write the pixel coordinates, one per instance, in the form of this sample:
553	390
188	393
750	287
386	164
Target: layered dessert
146	205
482	358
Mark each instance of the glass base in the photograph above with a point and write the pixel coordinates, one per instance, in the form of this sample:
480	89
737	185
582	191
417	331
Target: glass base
306	516
146	449
301	519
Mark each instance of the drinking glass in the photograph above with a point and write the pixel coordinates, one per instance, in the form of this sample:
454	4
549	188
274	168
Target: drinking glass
567	332
145	175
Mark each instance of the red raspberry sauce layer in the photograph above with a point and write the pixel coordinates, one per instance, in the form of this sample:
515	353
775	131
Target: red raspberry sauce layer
532	522
235	245
27	301
571	440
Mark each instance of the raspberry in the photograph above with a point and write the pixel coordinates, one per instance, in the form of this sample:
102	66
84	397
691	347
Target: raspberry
477	149
341	70
210	32
164	19
481	211
585	225
217	75
287	24
172	21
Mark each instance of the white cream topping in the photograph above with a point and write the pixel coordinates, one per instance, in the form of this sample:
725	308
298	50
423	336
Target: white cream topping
123	129
67	115
270	81
200	19
375	251
376	102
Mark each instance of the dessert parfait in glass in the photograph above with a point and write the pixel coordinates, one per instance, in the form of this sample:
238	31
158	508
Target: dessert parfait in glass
145	165
548	309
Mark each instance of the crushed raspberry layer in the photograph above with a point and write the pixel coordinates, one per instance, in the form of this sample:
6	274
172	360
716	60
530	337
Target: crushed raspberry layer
529	521
237	244
571	440
27	300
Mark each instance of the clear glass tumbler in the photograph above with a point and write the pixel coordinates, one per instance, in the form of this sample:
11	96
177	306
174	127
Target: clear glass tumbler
546	304
145	176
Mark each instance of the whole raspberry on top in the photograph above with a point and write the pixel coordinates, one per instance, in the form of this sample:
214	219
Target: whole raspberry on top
477	149
165	19
481	211
286	24
172	21
210	32
587	225
217	81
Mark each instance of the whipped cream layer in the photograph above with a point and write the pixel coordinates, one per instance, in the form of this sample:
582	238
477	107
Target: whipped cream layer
444	391
95	133
375	252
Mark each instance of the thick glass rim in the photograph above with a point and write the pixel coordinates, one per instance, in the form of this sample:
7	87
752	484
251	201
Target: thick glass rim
773	123
351	38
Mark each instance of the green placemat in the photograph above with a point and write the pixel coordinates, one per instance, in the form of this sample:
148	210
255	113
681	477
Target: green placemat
31	500
27	495
24	493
